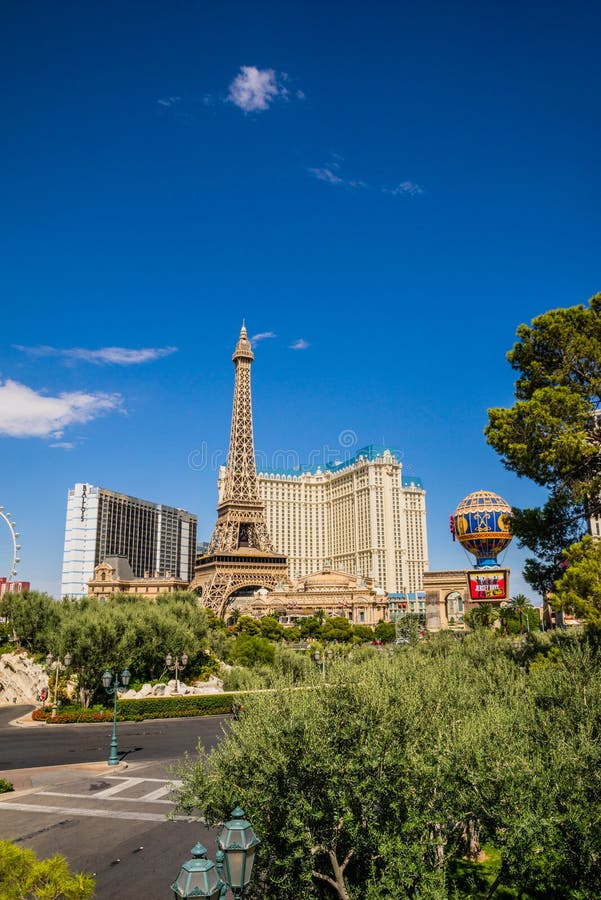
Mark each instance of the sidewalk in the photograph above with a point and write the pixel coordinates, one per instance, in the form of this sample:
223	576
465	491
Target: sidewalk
25	780
26	721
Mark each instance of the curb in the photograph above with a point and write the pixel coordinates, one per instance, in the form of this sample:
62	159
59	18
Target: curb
25	722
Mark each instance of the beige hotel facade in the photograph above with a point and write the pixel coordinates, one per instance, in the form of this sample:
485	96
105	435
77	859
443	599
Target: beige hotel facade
361	516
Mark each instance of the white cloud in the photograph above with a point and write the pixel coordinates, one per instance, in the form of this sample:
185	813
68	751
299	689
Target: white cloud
300	344
27	413
64	445
405	189
169	101
254	89
331	174
326	174
262	336
120	356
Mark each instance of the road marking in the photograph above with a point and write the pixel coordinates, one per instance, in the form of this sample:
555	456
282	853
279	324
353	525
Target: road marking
115	792
96	813
154	796
124	784
119	799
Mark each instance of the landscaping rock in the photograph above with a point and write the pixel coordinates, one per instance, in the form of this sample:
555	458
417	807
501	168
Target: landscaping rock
21	678
213	686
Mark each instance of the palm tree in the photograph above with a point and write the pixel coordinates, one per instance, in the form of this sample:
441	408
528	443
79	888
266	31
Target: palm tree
520	605
482	615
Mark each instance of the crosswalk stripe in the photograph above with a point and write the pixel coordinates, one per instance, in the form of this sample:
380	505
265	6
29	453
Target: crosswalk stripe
95	813
116	797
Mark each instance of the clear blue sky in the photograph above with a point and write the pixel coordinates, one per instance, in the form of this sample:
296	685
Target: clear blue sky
388	188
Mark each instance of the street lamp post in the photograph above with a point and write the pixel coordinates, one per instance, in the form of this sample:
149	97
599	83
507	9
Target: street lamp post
201	877
321	660
176	665
238	844
107	677
198	877
55	665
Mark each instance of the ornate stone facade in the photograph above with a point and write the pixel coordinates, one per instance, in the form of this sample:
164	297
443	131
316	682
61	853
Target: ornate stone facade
447	599
336	593
114	575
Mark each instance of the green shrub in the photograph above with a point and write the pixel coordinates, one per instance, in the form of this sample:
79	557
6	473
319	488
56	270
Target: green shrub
22	875
168	707
239	678
138	710
251	650
5	786
70	715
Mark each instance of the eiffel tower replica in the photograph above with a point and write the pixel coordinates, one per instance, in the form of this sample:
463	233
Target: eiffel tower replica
240	554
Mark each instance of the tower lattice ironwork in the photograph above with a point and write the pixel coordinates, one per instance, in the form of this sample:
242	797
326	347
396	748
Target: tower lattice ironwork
240	554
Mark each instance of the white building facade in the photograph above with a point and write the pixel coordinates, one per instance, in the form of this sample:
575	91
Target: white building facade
156	539
362	516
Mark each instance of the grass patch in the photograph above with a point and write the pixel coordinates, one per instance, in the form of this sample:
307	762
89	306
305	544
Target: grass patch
472	880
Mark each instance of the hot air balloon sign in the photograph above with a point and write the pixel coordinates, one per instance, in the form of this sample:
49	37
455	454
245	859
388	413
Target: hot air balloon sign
481	524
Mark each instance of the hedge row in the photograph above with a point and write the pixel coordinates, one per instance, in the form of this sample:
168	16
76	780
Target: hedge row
149	708
76	715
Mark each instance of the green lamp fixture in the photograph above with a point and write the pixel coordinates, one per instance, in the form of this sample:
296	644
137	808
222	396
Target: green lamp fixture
238	843
198	877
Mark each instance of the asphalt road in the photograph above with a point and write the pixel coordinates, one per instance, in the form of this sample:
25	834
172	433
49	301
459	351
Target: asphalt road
56	745
110	821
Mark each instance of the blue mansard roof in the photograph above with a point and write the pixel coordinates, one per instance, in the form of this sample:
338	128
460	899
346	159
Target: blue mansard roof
369	452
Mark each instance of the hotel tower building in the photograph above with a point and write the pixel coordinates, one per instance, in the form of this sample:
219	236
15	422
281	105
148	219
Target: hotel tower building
155	538
362	516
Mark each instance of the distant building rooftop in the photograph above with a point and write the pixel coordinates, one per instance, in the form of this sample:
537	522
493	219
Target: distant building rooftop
370	452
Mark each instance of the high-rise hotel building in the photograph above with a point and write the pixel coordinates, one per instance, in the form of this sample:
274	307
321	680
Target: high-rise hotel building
362	516
100	523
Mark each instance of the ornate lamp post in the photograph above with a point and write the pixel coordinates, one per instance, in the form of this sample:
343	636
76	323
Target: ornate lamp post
238	843
176	665
55	665
198	877
113	759
321	660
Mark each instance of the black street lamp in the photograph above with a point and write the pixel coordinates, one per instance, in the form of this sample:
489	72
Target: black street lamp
56	665
176	665
107	677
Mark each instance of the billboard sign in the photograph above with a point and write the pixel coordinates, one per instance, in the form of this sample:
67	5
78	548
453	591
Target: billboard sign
488	584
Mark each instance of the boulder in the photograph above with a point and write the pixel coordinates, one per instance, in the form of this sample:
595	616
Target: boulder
213	686
21	678
145	691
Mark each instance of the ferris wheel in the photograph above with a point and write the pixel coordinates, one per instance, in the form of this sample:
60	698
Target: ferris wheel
13	552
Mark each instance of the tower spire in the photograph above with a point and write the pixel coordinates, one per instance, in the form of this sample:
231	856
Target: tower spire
240	554
241	475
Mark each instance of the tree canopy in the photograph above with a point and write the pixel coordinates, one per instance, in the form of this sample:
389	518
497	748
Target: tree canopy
127	631
373	784
552	433
579	588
